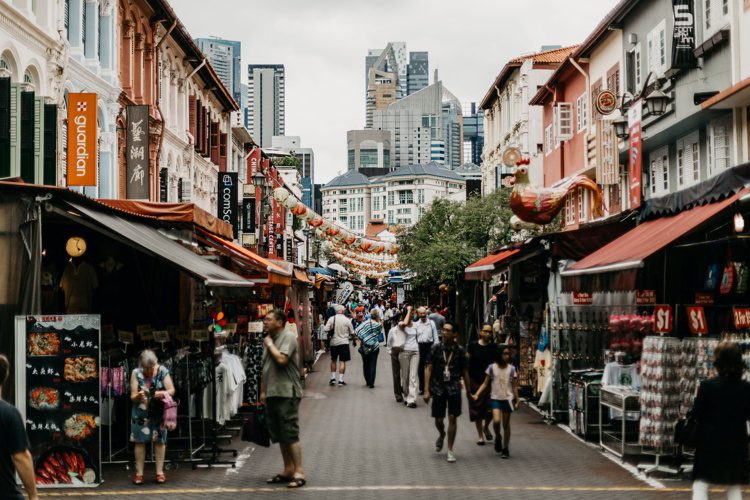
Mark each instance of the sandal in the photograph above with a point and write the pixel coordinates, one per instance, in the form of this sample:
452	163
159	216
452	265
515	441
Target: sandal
297	482
279	478
138	479
161	479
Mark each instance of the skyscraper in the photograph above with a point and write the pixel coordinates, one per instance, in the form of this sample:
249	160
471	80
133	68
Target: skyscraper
473	133
291	144
418	72
225	57
265	88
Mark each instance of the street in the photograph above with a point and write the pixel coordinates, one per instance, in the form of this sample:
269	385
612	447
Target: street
358	443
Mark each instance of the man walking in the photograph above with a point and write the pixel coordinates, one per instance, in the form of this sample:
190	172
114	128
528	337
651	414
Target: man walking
342	330
281	391
446	367
14	447
436	317
427	336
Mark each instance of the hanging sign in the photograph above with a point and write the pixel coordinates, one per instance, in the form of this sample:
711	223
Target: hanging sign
137	153
606	102
741	317
227	205
635	154
697	320
248	215
57	388
344	291
511	156
683	36
289	250
82	139
582	299
704	299
663	319
645	297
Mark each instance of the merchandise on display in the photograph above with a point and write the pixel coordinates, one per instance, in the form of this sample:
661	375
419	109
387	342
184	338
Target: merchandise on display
697	366
661	395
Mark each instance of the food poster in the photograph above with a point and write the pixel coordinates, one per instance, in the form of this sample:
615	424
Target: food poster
60	377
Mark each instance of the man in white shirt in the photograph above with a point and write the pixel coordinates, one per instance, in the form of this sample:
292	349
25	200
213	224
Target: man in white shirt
342	329
427	336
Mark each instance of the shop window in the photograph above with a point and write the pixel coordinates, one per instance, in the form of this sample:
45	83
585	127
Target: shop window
569	210
688	161
659	172
718	148
582	112
564	121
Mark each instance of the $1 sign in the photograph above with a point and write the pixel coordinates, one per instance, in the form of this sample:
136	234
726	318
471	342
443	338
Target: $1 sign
697	320
663	319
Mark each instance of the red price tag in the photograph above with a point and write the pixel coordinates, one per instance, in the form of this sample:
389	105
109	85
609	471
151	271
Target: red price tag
704	299
645	297
663	319
582	298
741	317
697	320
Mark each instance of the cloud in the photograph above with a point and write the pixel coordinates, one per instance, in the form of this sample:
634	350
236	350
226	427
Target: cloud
323	44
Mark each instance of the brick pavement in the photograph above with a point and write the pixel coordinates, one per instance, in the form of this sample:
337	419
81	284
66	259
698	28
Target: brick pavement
359	443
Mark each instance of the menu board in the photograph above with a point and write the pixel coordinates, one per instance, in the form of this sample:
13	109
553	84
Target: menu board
58	371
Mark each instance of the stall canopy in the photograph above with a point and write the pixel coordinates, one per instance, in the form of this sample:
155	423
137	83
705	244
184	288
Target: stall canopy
484	268
302	276
276	274
629	250
149	240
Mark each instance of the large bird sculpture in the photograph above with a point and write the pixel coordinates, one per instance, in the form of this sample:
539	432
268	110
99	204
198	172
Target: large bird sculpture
540	205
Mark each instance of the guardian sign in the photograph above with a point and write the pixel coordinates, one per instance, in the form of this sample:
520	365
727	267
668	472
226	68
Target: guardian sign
82	139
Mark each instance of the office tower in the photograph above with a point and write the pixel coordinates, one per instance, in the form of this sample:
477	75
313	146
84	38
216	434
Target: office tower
265	88
291	144
473	133
381	92
225	56
368	149
418	72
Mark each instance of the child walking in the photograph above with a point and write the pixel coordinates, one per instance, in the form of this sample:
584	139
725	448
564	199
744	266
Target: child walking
502	378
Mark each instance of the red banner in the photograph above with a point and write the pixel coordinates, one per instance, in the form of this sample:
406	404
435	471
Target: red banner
635	154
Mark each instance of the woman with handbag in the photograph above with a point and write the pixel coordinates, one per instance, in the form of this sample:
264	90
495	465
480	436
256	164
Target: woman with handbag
370	335
150	385
721	412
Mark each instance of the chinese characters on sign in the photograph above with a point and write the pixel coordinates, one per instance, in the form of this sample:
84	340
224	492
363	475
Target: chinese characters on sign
82	139
137	153
683	37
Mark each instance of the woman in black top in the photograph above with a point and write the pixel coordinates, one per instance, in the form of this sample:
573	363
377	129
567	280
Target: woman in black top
722	409
481	354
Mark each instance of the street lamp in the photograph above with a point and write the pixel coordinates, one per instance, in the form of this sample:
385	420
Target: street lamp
657	102
259	181
621	127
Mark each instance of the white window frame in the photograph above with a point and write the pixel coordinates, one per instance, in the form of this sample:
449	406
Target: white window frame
688	160
719	147
656	49
569	210
582	112
564	122
659	171
548	140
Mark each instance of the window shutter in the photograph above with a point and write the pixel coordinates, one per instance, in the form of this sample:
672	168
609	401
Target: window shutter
49	169
687	163
564	121
28	111
198	125
223	153
15	129
192	117
214	143
39	140
83	27
67	19
5	124
187	191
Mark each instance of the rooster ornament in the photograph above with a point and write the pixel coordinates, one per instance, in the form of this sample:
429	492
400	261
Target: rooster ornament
540	205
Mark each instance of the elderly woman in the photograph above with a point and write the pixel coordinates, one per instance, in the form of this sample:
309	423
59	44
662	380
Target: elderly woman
149	381
370	334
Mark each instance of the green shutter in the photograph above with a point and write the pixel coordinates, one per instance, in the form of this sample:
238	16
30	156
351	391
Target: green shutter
28	131
5	121
15	130
39	140
49	167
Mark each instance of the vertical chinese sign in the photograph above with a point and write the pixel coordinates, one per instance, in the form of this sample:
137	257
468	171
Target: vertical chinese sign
57	384
683	36
82	140
635	153
137	153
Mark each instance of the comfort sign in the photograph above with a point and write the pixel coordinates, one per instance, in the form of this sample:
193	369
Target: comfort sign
82	139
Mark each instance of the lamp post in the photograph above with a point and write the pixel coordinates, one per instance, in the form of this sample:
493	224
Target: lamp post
259	181
656	104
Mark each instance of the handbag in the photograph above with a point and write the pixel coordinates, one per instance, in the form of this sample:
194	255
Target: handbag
399	339
686	431
170	413
255	428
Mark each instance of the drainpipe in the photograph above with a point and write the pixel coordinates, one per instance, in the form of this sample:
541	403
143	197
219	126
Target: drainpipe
588	110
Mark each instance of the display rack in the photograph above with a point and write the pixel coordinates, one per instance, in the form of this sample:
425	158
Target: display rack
620	441
584	403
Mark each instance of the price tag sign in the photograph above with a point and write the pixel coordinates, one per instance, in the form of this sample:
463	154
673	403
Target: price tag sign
161	336
704	299
145	332
199	335
663	319
125	337
697	320
741	317
255	327
582	299
645	297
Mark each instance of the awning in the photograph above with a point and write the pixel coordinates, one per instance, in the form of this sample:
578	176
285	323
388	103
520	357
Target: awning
276	274
483	268
151	241
629	250
302	276
735	96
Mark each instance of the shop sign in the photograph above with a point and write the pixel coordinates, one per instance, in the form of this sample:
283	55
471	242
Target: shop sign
137	153
511	156
279	245
635	153
400	296
663	319
248	215
582	299
683	36
741	317
145	332
696	316
82	139
289	251
643	297
704	299
606	102
58	394
344	291
227	206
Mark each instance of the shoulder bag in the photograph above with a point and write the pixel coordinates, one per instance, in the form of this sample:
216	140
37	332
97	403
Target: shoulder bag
399	339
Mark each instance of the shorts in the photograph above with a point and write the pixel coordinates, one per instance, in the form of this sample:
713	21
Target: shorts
340	352
452	403
502	405
282	417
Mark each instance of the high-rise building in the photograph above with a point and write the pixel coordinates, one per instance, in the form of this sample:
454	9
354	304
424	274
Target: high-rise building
265	88
381	92
368	149
292	145
418	72
426	126
473	133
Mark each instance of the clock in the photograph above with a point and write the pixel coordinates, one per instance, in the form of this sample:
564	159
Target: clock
76	246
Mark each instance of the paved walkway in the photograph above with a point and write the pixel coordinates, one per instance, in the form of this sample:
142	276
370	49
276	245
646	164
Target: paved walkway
358	443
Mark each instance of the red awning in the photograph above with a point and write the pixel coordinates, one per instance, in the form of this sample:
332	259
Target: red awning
629	250
484	267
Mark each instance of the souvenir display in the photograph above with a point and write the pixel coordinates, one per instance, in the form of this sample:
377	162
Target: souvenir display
660	395
697	365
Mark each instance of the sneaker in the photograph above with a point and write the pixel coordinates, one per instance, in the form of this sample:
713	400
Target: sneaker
439	444
411	405
451	457
498	444
332	382
341	382
506	453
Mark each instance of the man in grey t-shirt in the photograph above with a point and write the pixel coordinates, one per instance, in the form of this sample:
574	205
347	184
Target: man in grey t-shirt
437	318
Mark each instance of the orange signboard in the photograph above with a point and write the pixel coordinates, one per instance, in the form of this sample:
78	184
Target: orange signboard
82	139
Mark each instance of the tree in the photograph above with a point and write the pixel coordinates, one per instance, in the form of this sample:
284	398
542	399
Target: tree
289	160
451	235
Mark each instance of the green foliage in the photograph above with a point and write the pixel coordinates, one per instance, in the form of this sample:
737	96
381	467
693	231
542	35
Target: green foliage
289	160
451	235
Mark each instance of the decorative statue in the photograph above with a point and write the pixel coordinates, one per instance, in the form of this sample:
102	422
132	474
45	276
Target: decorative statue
540	205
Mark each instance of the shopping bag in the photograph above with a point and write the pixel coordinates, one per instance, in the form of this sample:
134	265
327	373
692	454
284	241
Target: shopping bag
255	428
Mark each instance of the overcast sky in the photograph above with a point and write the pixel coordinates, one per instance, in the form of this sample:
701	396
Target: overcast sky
323	44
